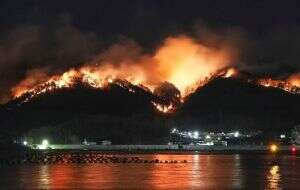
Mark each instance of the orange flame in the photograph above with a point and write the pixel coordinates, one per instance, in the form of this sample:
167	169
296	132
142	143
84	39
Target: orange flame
294	80
230	72
291	84
183	62
164	108
180	60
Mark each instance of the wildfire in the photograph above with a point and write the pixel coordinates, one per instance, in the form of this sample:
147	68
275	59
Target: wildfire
288	85
92	79
230	72
294	80
180	61
184	62
164	108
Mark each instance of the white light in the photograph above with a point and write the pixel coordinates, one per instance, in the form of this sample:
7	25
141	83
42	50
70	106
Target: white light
282	136
25	143
236	134
45	142
110	80
189	134
173	130
196	134
207	137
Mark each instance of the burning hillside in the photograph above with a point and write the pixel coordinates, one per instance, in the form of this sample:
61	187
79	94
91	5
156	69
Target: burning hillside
291	84
168	99
180	61
176	69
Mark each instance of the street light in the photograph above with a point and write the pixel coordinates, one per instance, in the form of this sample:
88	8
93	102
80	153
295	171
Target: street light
196	134
282	136
45	142
173	130
236	134
273	148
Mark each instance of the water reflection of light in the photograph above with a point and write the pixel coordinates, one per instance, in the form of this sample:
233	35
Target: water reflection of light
195	173
274	177
196	162
199	172
213	171
61	175
43	179
99	176
237	172
169	176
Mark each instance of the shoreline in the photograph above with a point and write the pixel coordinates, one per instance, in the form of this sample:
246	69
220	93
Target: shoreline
175	149
113	153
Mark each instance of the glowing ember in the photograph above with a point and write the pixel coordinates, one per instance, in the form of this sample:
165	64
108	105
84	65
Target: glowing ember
163	108
230	72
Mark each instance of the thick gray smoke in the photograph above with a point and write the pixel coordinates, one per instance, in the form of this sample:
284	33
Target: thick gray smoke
27	49
53	49
272	52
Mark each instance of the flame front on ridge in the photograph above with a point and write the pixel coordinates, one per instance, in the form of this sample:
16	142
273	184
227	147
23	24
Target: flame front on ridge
181	61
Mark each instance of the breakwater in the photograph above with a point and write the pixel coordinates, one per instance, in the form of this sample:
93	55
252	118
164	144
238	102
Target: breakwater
103	154
61	157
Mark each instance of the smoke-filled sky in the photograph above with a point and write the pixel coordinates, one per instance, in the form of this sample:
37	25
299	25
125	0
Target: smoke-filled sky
50	37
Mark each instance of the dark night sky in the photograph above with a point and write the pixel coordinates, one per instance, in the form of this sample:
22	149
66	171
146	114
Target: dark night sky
111	17
33	31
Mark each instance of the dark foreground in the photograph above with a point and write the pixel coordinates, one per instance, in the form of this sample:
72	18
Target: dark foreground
243	171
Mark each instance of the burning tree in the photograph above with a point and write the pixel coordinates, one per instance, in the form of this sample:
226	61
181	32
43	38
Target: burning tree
170	97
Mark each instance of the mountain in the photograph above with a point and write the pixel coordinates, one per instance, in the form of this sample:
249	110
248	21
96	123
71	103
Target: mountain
81	98
109	113
234	103
124	113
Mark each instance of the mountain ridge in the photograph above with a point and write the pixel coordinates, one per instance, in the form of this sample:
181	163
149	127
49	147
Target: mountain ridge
221	104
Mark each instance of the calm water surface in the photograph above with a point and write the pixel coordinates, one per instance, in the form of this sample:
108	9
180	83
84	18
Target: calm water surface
201	172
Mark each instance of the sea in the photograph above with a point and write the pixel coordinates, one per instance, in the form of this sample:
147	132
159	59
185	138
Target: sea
210	171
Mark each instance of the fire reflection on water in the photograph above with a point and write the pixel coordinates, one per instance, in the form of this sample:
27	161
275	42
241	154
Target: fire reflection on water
60	175
200	172
274	177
